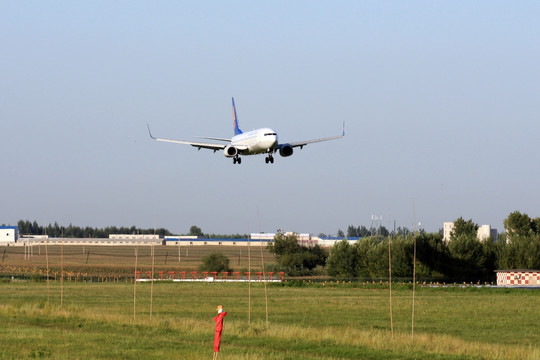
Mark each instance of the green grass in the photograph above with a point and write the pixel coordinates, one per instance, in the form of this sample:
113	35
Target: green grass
97	321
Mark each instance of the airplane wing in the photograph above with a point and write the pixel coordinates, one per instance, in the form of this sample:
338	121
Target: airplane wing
301	144
213	138
199	145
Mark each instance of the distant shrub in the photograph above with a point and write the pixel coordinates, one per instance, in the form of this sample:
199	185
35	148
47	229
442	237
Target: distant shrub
215	261
296	259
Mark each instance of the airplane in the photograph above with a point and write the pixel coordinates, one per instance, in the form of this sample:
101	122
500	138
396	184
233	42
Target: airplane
260	141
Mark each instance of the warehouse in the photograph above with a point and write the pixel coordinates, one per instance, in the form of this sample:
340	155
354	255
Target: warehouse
9	234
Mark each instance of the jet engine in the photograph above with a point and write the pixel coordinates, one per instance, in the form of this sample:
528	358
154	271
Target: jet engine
230	151
286	150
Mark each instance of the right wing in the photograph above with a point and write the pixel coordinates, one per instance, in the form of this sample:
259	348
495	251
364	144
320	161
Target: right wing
213	138
304	143
199	145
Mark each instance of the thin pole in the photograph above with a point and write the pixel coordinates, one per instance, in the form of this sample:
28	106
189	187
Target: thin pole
390	283
152	284
414	287
47	261
414	272
265	287
135	284
62	272
249	281
264	274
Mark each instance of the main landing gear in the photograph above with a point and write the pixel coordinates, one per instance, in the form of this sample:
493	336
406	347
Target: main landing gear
269	159
237	160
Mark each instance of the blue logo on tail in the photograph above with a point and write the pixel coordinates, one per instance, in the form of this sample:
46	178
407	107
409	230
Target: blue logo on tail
237	130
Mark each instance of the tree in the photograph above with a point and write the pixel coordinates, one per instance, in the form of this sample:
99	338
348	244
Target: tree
371	257
523	252
462	227
352	231
359	231
33	228
215	261
467	255
402	255
382	231
341	260
518	224
294	258
195	231
536	225
403	231
489	258
284	244
433	255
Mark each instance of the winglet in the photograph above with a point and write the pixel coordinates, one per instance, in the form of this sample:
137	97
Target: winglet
149	132
343	134
237	130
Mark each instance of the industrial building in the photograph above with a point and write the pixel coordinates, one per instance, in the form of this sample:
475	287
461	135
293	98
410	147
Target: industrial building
8	234
133	237
483	233
263	239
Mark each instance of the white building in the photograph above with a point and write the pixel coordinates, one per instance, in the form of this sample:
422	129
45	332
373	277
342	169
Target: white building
483	233
133	236
447	230
9	234
518	278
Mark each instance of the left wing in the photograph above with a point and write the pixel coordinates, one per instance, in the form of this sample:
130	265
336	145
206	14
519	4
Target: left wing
199	145
304	143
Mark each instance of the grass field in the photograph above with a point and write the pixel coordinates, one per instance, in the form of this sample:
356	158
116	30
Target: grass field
314	321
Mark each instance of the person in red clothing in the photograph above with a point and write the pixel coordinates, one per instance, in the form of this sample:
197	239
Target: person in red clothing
219	329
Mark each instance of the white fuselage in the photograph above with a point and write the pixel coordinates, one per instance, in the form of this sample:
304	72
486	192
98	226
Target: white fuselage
257	141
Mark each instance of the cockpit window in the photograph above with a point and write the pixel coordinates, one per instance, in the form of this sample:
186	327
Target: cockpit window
268	134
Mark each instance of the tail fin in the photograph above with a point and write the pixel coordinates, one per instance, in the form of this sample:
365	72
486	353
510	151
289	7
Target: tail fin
237	130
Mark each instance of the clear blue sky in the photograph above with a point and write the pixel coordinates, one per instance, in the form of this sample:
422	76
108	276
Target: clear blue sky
441	101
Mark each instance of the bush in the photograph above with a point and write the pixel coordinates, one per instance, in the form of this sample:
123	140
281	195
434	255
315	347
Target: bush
296	259
216	261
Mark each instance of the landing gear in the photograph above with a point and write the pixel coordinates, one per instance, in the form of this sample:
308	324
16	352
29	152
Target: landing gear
237	160
269	159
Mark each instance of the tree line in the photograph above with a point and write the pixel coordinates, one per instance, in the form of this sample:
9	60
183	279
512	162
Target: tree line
55	230
463	258
362	231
